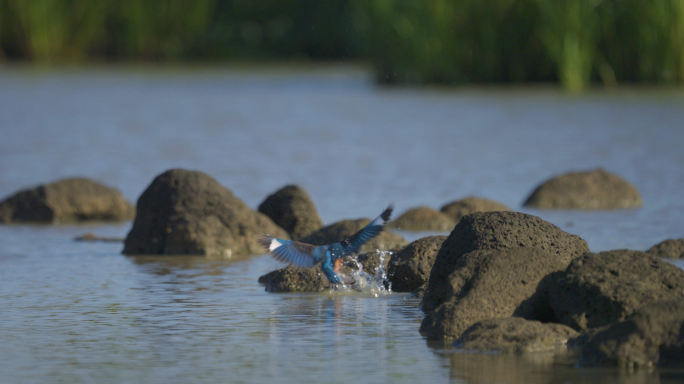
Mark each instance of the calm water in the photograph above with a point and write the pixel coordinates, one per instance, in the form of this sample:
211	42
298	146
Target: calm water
81	312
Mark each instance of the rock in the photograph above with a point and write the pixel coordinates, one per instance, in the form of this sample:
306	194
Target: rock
596	189
514	335
188	212
332	233
651	335
496	230
294	279
410	267
291	208
64	201
459	208
670	248
489	284
91	237
423	219
600	289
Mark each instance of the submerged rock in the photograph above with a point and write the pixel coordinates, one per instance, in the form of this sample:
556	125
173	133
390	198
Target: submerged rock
492	284
514	335
410	268
64	201
596	189
459	208
496	231
294	279
91	237
332	233
291	208
423	219
189	212
651	335
670	248
600	289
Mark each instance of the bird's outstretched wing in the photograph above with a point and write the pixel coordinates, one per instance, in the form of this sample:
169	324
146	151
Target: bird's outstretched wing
355	241
288	251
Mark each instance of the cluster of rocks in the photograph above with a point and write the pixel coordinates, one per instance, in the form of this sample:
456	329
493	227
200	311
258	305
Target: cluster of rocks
512	282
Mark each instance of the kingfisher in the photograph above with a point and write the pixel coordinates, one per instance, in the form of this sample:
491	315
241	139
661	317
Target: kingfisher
330	256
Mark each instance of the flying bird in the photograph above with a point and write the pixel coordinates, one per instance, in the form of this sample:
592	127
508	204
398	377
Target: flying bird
330	256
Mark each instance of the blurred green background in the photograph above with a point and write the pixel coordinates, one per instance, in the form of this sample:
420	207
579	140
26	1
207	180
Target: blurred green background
574	42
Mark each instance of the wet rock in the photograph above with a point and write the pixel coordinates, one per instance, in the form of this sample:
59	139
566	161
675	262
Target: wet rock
423	219
459	208
64	201
410	267
189	212
291	208
596	189
496	230
670	248
332	233
294	279
600	289
651	335
491	284
91	237
514	335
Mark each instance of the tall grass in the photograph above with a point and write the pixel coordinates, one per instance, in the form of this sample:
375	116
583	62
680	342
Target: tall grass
574	42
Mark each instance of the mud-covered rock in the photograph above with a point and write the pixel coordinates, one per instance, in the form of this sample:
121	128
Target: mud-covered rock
294	279
491	284
496	230
423	219
651	335
459	208
597	189
340	230
410	268
189	212
600	289
671	248
64	201
514	335
291	208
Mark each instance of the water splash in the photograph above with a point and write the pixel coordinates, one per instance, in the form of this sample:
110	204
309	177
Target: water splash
374	283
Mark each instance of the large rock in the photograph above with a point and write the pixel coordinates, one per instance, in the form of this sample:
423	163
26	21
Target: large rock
600	289
332	233
459	208
410	268
291	208
294	279
596	189
496	230
514	335
670	248
423	219
188	212
651	335
493	283
67	200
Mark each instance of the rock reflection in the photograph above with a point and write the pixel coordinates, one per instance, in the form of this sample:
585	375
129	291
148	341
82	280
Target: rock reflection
543	368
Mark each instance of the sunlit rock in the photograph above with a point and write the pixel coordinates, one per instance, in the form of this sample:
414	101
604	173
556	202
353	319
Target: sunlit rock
410	268
600	289
189	212
598	189
671	248
459	208
64	201
291	208
423	219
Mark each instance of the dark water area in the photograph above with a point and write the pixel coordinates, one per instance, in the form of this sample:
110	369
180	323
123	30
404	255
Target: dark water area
82	312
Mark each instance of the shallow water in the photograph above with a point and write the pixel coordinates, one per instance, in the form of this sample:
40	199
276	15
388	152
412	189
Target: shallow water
82	312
